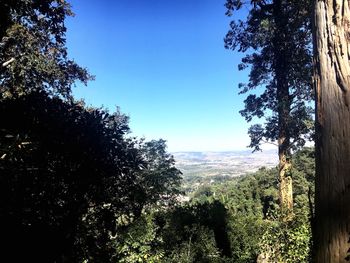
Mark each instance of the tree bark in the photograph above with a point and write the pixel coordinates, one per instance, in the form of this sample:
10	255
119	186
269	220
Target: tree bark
285	186
331	35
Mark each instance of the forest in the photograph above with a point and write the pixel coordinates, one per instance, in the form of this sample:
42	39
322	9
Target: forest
76	186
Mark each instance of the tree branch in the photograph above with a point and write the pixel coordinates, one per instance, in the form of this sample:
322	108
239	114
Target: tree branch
269	142
6	63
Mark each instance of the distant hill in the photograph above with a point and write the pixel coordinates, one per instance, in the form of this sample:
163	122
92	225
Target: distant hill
222	164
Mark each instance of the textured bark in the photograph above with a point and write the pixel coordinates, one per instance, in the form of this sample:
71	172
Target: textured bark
283	110
285	187
332	84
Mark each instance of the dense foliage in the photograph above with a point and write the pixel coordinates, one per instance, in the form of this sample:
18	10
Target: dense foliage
234	221
76	187
71	177
69	172
276	40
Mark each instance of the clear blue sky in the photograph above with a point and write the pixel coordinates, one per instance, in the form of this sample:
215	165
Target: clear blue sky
164	63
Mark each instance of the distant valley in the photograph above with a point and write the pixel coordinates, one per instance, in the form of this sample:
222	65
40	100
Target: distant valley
207	167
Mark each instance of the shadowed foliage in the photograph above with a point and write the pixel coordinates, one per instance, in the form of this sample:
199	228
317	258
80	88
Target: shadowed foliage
63	166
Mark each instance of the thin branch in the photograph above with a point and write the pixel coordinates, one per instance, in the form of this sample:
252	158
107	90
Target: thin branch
6	63
293	143
269	142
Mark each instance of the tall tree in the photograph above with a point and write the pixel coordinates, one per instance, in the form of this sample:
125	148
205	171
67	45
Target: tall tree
276	39
332	83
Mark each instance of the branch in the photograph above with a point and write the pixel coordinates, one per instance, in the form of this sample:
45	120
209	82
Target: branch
8	62
293	143
269	142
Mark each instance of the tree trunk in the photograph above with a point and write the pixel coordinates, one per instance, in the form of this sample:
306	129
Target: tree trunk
283	110
332	83
285	186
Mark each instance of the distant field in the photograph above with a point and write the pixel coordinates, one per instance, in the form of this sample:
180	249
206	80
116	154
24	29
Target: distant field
206	167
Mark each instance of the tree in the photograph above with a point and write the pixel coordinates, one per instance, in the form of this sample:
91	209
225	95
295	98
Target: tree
32	49
56	160
157	182
68	174
276	38
254	229
332	83
196	232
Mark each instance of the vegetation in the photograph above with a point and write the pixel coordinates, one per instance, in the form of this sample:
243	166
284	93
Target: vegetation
71	177
75	186
69	173
233	221
276	38
33	52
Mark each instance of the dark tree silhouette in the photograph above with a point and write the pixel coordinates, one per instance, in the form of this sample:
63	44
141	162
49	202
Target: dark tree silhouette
68	173
64	167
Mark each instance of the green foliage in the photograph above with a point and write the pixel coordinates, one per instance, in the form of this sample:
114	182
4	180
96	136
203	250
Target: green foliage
74	187
276	40
158	179
290	241
198	247
249	200
68	173
234	221
303	173
245	236
32	49
253	194
189	233
140	242
287	241
208	216
203	194
254	224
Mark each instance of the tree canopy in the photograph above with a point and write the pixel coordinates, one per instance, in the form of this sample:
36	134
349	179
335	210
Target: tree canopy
62	163
33	51
265	36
